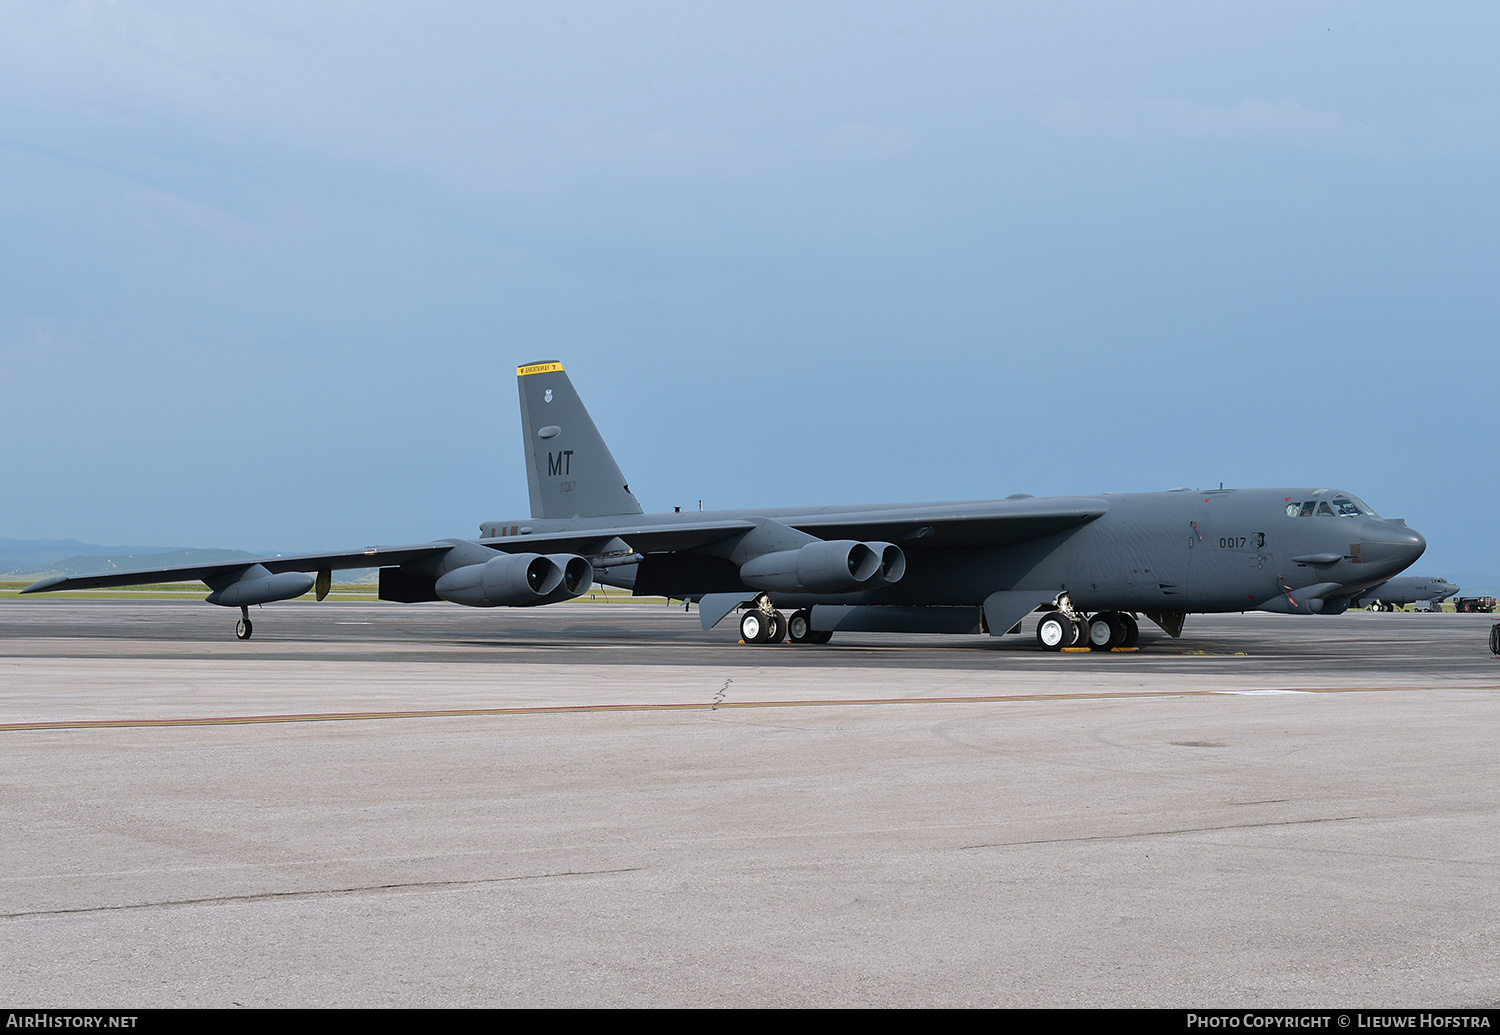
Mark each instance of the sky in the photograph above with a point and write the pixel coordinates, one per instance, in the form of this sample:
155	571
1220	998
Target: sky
267	269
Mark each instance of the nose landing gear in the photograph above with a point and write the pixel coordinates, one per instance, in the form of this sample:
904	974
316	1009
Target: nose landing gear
244	627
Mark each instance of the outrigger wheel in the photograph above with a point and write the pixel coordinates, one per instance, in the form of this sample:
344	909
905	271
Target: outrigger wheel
243	628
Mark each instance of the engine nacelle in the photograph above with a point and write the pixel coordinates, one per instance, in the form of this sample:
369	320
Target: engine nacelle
577	576
892	561
256	585
836	566
516	580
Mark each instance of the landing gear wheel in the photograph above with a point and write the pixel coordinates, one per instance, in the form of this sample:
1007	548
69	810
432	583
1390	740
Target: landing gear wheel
1080	632
1055	631
821	637
243	628
1132	631
754	628
777	632
799	626
1106	632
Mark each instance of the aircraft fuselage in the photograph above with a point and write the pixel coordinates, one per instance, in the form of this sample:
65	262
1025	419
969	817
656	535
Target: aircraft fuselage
1180	551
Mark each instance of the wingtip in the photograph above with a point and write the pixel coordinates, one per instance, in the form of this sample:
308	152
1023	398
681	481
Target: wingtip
45	584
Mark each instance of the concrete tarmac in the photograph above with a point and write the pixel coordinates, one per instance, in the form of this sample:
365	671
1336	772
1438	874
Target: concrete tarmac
602	805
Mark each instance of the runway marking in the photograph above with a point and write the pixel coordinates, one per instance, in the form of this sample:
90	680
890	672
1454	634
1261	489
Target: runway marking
268	896
704	706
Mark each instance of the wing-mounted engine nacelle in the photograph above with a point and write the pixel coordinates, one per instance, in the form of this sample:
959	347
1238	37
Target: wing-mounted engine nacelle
517	580
892	561
577	576
834	566
256	585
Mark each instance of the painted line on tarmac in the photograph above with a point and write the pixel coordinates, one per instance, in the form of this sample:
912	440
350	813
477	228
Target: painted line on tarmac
564	709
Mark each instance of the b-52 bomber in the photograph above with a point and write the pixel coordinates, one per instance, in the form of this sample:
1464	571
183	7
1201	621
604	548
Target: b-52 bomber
1408	589
1092	563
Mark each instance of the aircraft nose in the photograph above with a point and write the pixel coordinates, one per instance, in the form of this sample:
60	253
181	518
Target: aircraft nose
1390	545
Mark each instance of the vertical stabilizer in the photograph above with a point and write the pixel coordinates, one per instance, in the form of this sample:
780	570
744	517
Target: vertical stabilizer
569	469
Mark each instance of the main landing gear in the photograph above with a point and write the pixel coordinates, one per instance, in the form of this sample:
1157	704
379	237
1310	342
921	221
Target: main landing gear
1105	631
244	628
800	630
762	623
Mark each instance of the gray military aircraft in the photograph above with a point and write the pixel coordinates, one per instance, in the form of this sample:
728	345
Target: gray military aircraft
1406	589
1091	562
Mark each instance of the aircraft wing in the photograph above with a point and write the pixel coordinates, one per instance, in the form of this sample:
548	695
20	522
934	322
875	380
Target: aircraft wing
369	557
643	538
938	526
927	525
923	526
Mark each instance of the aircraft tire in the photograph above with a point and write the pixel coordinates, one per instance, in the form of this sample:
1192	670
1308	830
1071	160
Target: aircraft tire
1055	631
1495	637
821	637
1106	631
1132	630
754	627
777	631
799	626
243	629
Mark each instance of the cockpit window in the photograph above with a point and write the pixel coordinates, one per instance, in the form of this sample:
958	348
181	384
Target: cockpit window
1343	505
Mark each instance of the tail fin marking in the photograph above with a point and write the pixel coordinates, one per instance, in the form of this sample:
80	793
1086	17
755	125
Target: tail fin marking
569	470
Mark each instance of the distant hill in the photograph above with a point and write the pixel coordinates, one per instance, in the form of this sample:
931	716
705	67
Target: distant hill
40	558
32	554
